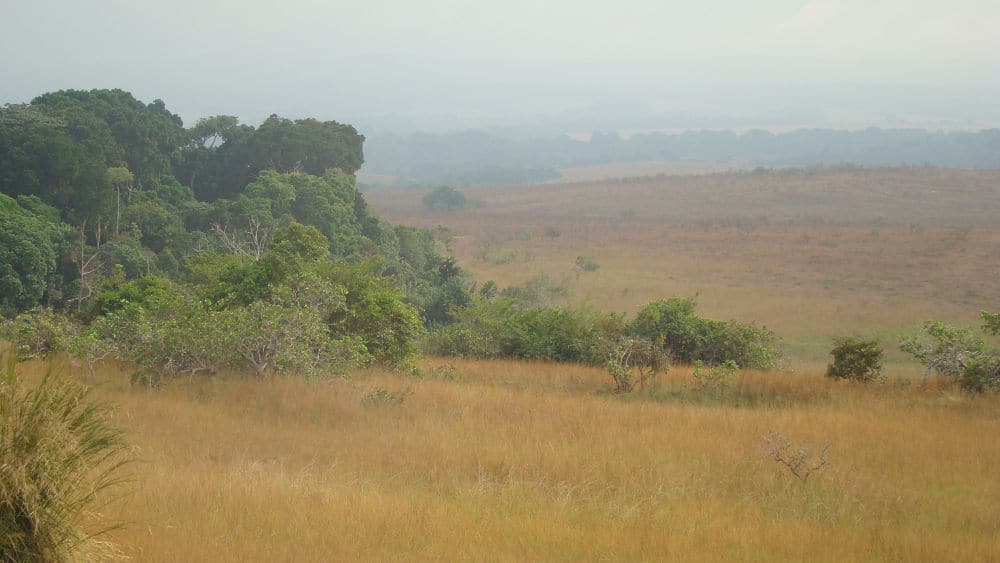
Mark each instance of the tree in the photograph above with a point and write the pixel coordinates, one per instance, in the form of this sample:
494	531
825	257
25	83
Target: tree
957	352
444	197
856	358
30	248
119	178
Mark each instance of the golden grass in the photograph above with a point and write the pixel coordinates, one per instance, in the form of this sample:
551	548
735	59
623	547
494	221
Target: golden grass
533	461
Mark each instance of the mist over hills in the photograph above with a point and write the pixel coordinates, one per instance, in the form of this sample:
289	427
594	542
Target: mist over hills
480	158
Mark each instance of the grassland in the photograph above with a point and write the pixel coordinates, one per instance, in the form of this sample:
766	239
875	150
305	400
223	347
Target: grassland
516	461
812	254
513	461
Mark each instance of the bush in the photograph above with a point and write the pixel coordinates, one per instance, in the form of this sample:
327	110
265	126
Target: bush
714	380
587	264
629	355
688	338
38	333
957	352
446	197
58	454
502	329
856	358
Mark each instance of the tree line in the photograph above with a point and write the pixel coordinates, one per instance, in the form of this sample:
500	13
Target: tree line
478	158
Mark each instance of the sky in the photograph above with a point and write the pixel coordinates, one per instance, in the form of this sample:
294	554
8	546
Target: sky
823	62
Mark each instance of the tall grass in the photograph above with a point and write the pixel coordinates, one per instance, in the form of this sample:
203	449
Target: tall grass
59	454
516	461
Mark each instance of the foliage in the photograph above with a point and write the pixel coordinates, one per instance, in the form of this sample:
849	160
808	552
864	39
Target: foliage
223	169
374	312
957	352
714	380
38	332
991	322
856	358
59	455
503	329
629	355
288	332
688	337
444	197
30	246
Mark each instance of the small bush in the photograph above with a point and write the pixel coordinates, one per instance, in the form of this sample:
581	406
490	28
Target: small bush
38	333
856	358
587	264
445	197
382	397
714	380
59	453
630	355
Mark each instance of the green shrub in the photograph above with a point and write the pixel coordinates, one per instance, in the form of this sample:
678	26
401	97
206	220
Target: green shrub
502	329
856	358
38	333
957	352
59	453
688	337
714	380
629	355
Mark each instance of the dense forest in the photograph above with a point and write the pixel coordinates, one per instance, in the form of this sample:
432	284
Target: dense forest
223	238
475	158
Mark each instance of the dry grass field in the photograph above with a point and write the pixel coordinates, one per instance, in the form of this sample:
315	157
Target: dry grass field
515	461
522	461
812	254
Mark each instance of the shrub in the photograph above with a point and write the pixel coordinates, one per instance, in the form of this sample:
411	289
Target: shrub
502	329
714	380
38	333
688	337
957	352
856	358
382	397
629	355
58	455
587	264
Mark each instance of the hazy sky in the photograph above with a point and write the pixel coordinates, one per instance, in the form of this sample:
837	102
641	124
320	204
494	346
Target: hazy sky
842	59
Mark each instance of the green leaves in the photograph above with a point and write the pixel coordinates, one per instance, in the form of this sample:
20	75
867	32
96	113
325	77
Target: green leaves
957	352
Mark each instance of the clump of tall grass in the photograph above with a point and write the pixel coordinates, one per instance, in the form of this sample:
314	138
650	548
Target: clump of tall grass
59	453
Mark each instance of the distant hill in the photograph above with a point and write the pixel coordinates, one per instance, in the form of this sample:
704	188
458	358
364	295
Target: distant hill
475	158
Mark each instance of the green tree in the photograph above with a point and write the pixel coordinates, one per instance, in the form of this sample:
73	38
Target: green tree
30	249
957	352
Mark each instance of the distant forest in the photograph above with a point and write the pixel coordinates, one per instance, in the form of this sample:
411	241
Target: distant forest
475	158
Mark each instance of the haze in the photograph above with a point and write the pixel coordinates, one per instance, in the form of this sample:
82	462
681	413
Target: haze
391	64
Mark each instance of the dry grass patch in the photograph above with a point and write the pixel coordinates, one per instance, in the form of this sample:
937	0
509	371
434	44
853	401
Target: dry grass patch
523	460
